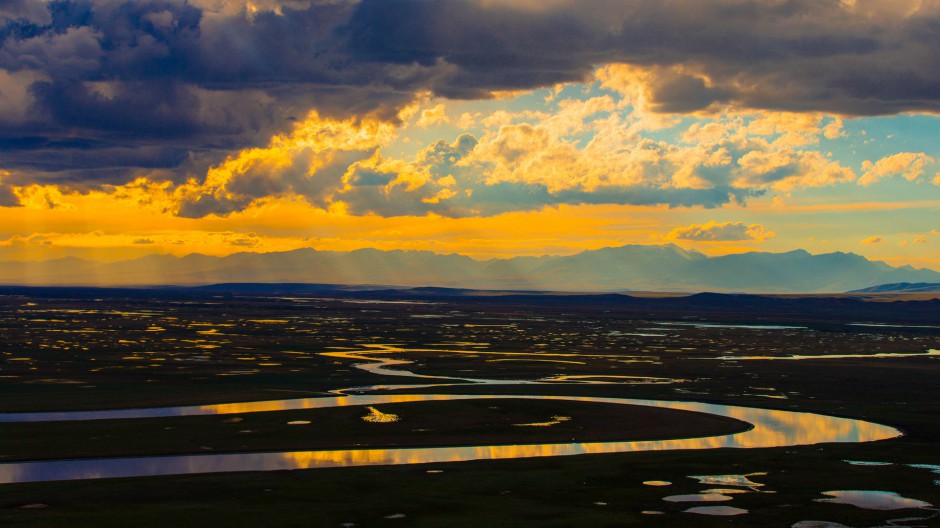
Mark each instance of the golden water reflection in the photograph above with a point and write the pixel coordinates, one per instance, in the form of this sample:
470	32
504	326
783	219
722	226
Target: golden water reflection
771	428
377	416
554	421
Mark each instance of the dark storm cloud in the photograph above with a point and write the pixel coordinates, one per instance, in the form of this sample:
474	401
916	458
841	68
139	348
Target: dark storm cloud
875	57
116	86
145	84
29	11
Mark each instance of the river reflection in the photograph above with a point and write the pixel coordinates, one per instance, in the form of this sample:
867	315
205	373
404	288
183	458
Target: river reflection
797	357
771	428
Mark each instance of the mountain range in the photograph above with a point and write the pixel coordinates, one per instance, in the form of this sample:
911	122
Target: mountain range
625	268
902	287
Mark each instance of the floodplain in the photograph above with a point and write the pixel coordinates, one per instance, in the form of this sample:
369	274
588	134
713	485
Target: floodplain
251	357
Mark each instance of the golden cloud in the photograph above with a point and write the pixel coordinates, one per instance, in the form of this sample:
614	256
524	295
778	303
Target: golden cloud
910	165
724	232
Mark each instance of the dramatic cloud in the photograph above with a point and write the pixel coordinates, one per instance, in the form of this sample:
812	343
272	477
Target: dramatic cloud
582	145
95	89
310	161
726	232
845	57
513	166
113	86
502	126
874	241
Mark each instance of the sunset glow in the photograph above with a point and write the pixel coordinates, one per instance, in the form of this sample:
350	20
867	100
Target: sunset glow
219	127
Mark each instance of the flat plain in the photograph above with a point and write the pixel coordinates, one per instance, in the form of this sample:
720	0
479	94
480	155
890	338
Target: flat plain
87	349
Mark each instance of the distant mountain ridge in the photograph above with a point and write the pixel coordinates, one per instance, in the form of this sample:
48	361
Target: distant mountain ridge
901	287
631	267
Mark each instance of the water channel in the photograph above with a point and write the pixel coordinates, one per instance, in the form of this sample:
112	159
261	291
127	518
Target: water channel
771	428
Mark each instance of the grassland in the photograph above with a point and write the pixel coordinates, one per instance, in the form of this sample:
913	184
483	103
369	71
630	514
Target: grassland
77	352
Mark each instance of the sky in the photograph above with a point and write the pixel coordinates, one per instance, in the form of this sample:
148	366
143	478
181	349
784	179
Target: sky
490	128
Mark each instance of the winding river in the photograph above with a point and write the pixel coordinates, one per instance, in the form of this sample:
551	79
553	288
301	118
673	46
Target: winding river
771	428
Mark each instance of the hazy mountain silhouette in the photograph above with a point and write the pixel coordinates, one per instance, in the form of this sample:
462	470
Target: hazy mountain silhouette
657	268
901	287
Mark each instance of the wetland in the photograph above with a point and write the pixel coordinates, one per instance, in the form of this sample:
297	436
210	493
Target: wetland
495	373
